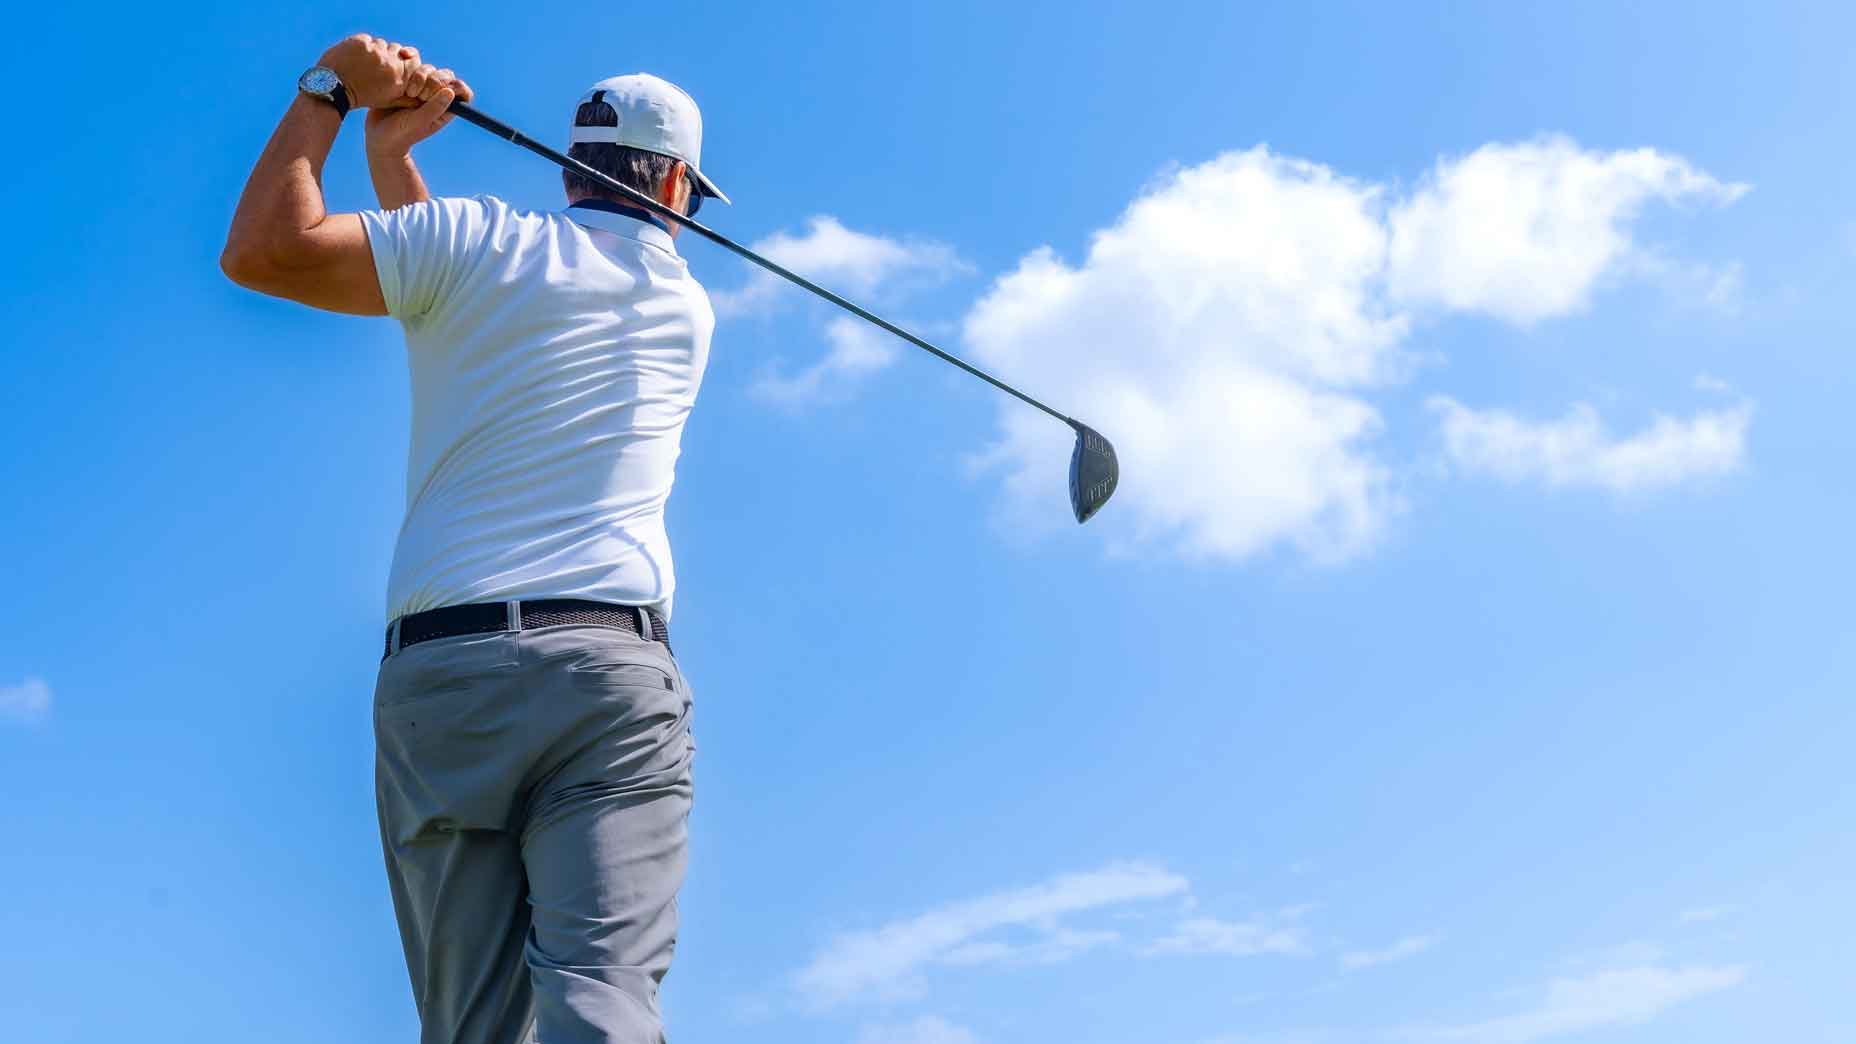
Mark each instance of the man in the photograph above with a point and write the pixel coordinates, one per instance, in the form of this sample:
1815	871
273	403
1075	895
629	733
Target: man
533	766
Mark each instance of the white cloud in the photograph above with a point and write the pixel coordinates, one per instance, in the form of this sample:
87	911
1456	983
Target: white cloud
1410	946
1576	450
1526	231
1226	330
1211	334
29	701
888	961
856	264
1612	997
856	351
926	1029
1263	934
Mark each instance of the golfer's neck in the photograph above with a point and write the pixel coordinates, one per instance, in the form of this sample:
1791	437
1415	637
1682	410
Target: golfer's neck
674	226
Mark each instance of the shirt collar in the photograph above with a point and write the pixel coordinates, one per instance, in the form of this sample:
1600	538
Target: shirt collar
622	220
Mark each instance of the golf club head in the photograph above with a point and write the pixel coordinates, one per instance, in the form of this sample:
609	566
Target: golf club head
1093	472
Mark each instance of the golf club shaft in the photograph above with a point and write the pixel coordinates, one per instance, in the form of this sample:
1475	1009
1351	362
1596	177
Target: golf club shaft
566	162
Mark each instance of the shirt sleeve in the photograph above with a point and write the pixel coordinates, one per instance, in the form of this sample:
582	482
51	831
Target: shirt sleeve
422	250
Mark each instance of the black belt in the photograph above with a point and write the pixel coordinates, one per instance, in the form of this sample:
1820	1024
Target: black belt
489	617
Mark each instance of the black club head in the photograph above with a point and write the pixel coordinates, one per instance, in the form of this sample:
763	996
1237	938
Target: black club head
1093	472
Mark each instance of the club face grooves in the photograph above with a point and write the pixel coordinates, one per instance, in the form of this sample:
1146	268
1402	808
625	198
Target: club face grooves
1094	472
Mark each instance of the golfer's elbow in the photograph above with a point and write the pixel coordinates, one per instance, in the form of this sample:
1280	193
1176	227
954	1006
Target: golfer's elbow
261	265
240	264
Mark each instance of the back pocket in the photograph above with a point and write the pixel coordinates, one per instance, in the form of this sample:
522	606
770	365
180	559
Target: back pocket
593	672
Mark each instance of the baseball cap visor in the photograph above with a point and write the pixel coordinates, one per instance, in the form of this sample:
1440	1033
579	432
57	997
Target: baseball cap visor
707	187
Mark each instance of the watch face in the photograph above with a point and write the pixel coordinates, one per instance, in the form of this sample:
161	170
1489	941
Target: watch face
320	81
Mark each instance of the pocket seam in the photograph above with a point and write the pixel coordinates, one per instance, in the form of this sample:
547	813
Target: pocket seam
609	670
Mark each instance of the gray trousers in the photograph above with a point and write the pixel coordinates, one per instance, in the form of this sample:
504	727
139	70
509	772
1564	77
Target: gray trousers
534	792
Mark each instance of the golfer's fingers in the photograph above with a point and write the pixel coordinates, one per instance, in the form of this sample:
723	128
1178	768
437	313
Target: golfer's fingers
447	78
423	82
406	56
432	115
462	90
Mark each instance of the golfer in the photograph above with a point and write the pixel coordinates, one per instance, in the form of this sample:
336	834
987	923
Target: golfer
532	727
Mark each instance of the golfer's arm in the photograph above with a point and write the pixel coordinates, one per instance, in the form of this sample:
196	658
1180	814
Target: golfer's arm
283	241
396	180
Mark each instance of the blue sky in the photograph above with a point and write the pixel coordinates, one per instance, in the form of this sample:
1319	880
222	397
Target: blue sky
1466	658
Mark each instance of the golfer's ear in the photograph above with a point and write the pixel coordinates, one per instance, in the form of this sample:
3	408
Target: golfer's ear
679	175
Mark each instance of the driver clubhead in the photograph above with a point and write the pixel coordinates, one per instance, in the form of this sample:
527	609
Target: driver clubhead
1093	472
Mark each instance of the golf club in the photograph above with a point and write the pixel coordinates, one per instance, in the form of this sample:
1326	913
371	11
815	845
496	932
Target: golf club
1093	468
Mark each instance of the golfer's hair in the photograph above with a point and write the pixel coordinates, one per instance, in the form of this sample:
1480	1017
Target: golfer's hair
644	171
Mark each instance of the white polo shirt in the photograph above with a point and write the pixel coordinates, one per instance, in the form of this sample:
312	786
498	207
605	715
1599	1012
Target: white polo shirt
554	360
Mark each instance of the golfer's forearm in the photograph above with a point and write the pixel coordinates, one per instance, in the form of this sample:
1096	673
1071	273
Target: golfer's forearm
282	203
396	180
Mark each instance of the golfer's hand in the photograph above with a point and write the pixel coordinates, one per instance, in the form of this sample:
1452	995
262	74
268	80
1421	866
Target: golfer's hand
429	91
375	70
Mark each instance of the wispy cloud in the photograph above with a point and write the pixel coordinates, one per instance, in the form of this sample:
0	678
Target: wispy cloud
1266	933
1058	946
1228	329
926	1029
855	351
1293	1036
857	264
888	962
1577	450
1611	997
1704	914
1410	946
867	267
28	702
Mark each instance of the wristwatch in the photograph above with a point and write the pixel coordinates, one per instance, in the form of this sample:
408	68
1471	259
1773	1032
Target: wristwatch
321	82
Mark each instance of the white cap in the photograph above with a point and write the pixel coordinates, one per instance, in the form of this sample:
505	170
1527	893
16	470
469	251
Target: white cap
654	115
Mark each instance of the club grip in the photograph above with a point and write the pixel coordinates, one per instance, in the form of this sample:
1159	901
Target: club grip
494	126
